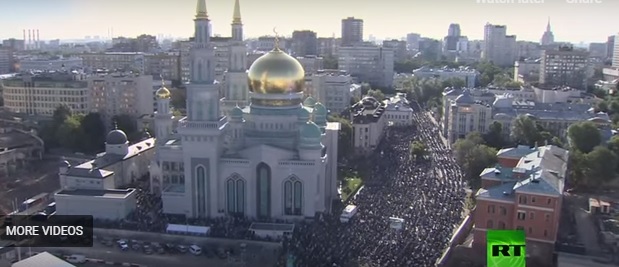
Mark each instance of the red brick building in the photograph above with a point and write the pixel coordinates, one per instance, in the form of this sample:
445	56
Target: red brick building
523	191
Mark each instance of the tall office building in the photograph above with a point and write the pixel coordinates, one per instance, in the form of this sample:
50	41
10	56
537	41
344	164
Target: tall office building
352	31
304	43
412	41
548	38
450	43
616	52
499	48
368	63
564	67
6	60
610	46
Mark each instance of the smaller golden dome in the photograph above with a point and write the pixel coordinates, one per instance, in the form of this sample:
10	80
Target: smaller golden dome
163	93
276	73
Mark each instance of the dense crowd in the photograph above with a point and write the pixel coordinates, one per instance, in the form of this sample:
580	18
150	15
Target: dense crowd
427	194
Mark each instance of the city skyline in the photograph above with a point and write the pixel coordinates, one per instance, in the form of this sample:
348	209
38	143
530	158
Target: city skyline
71	19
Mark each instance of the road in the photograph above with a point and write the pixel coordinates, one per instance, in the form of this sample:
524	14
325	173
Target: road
99	251
30	187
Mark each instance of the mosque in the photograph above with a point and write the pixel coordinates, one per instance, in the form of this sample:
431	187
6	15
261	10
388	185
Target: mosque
272	158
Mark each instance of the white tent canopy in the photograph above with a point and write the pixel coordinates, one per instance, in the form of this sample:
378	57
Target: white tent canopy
188	229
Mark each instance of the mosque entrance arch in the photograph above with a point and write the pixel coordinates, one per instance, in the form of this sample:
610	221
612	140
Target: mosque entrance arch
263	178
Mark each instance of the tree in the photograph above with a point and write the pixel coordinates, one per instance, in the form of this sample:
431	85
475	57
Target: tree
179	98
601	165
473	156
417	149
330	62
494	136
584	136
127	124
93	131
69	133
524	131
61	113
378	94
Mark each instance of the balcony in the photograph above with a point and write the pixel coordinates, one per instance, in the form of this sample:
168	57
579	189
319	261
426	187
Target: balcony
184	123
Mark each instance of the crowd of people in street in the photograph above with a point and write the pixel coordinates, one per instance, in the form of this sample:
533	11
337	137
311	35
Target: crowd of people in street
428	194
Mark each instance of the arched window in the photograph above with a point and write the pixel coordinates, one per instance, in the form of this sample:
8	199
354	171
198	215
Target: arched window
263	172
501	225
201	190
293	196
230	195
200	71
240	196
298	198
288	198
489	225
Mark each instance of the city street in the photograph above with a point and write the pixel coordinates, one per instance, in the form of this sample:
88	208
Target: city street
32	184
113	254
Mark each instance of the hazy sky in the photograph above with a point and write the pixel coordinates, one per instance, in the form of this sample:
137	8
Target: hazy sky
73	19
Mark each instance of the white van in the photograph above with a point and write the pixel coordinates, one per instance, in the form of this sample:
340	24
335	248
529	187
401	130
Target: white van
76	258
195	250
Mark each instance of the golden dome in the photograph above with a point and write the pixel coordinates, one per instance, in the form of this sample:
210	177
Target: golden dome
163	93
276	73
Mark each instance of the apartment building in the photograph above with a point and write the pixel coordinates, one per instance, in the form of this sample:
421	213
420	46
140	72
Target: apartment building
6	59
523	191
50	63
40	94
311	64
468	75
368	122
398	111
471	110
332	89
400	52
352	31
116	93
527	70
166	65
114	61
499	47
368	63
304	43
327	46
107	93
564	67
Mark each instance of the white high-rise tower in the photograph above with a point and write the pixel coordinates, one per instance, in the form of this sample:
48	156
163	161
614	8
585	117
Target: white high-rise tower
236	91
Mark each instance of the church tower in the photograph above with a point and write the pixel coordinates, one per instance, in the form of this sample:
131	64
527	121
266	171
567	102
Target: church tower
201	131
236	91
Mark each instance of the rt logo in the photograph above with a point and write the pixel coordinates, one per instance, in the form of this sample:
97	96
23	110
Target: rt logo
506	248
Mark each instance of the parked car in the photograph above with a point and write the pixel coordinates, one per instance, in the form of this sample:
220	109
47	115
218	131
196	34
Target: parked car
195	250
148	250
181	249
75	258
122	244
170	248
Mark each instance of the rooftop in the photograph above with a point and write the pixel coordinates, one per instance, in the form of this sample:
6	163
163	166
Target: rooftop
95	168
108	193
43	259
543	167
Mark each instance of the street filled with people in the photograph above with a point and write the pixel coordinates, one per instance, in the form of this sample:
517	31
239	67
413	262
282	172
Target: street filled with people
428	194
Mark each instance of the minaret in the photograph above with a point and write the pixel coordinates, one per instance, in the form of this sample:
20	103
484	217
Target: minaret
201	131
163	117
236	91
237	25
202	94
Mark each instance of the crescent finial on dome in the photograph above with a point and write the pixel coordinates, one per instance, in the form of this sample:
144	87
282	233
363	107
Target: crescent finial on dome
276	38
